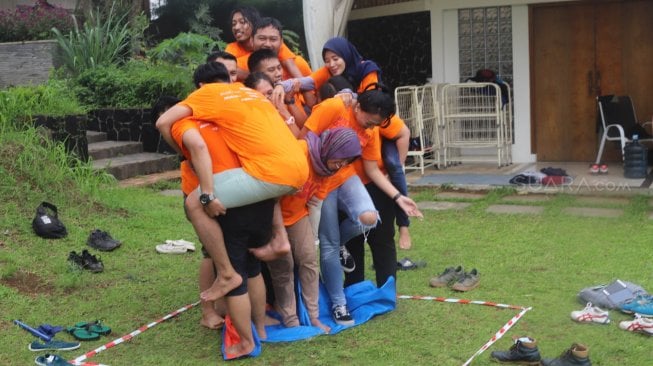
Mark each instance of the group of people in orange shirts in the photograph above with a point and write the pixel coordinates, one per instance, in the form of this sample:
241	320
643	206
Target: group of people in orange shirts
280	161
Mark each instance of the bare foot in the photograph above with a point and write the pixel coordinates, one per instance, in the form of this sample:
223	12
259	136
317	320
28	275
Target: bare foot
270	321
404	238
317	323
220	287
239	350
210	319
266	253
262	334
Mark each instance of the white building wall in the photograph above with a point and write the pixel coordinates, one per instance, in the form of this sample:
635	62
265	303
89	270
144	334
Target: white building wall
444	52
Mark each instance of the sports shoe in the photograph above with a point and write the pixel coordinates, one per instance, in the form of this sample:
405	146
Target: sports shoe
591	314
603	169
190	246
594	168
173	247
346	260
639	324
524	352
51	360
341	315
448	276
53	345
468	282
101	240
642	305
86	261
576	355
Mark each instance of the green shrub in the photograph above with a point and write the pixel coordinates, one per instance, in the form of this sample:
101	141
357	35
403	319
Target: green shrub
102	40
31	23
54	98
136	84
187	49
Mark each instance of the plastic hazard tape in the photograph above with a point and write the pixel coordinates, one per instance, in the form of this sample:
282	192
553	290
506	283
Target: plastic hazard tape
501	331
81	360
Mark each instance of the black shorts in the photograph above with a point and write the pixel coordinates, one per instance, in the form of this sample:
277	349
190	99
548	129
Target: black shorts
243	228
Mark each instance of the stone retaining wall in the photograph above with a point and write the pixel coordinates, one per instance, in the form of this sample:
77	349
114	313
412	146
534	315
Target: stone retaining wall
23	63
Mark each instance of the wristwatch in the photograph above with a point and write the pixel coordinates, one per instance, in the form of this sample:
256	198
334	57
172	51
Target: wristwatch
205	198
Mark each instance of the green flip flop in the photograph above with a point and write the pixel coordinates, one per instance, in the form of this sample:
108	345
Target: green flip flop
98	327
83	334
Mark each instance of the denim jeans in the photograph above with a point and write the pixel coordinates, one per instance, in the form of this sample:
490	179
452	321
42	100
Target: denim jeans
381	241
352	199
396	175
235	188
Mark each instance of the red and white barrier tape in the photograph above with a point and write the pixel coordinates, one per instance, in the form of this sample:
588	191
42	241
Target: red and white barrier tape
81	359
498	335
461	301
501	331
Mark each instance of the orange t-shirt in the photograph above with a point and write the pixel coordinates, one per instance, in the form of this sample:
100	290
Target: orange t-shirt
302	65
242	55
333	113
323	74
294	206
390	133
253	129
222	158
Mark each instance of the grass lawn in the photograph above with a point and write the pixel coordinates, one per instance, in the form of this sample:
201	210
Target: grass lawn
540	261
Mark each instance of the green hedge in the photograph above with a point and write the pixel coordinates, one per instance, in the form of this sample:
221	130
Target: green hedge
136	84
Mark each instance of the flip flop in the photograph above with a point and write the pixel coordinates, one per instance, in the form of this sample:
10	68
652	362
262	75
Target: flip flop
406	264
83	334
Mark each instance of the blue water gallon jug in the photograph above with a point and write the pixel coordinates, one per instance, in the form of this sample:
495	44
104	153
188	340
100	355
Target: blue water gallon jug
635	159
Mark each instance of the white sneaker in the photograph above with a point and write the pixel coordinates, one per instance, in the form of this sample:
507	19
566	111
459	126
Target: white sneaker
591	314
174	247
189	245
639	324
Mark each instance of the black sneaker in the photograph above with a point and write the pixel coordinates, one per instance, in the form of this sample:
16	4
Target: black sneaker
92	263
101	240
341	315
76	260
346	260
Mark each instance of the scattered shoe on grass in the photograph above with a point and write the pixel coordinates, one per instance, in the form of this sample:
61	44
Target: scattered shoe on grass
102	240
175	247
53	345
86	261
51	360
469	281
88	331
406	264
591	314
346	260
576	355
523	352
449	276
638	325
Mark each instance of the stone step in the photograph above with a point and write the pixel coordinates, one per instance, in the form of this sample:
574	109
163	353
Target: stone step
107	149
132	165
95	136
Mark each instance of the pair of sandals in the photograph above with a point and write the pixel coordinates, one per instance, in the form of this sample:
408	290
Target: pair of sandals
88	331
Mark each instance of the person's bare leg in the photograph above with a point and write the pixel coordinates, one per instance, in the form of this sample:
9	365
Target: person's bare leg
405	242
210	317
240	311
210	234
279	244
256	290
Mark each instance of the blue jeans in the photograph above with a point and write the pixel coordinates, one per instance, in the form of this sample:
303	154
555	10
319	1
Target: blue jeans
396	175
353	199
